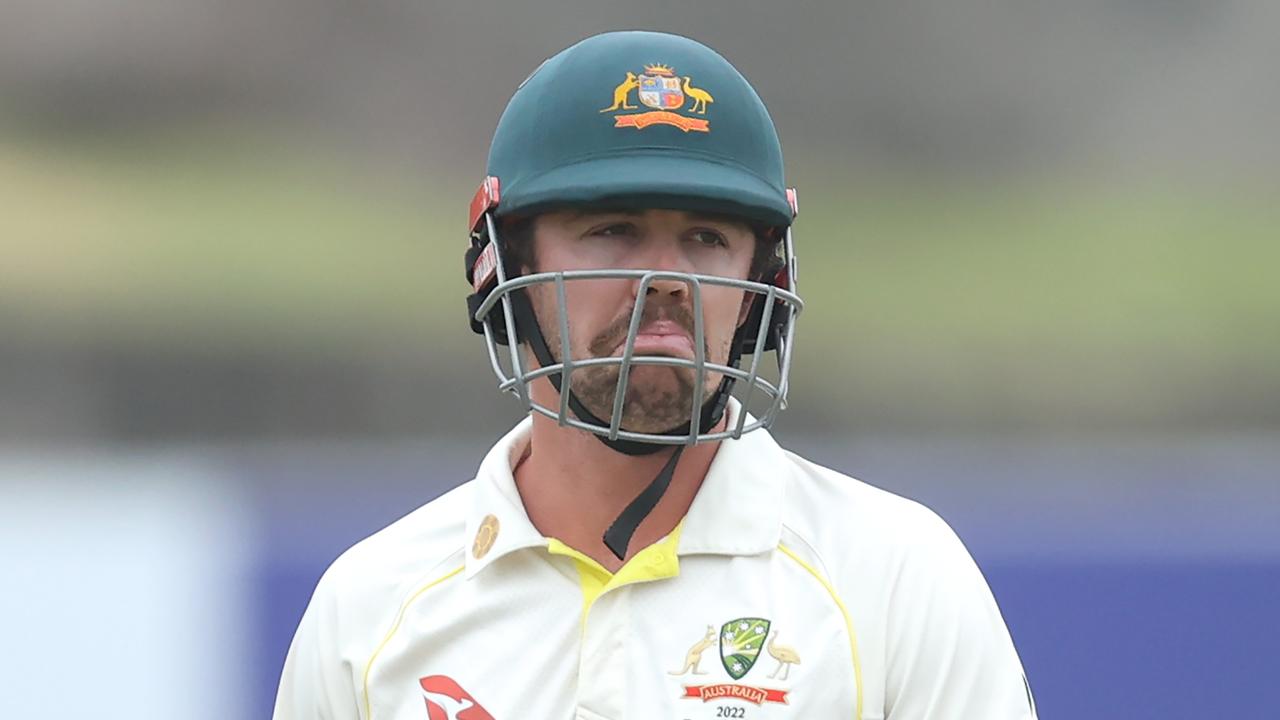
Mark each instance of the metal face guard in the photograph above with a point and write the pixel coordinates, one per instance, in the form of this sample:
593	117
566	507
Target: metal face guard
775	299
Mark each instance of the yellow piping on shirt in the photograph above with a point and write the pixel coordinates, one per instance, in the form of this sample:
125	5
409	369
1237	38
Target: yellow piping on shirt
368	712
848	622
591	576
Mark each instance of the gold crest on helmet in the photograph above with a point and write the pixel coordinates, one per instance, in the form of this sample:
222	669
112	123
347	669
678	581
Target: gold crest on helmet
660	88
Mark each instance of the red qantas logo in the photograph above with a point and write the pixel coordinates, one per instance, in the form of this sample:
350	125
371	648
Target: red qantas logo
446	700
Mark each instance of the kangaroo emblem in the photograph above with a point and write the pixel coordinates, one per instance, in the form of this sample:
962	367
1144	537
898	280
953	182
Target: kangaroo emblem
694	656
620	94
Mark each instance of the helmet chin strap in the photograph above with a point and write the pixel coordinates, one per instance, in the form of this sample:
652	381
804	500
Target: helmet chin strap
619	534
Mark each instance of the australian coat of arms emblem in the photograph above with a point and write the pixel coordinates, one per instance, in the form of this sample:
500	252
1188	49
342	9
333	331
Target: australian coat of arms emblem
673	99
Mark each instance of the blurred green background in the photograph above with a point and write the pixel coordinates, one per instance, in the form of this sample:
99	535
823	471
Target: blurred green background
220	222
223	223
247	281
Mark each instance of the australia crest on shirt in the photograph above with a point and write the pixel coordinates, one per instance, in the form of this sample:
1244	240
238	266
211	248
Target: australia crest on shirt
741	643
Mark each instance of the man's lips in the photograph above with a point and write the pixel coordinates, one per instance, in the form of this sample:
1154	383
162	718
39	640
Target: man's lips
663	337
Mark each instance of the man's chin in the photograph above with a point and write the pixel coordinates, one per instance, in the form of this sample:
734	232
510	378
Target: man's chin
660	379
665	416
642	417
658	398
679	428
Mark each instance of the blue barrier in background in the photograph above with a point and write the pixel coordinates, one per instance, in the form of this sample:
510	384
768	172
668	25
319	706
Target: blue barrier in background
1153	604
1168	640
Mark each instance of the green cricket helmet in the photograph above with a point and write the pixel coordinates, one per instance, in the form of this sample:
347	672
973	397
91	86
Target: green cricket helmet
643	119
637	120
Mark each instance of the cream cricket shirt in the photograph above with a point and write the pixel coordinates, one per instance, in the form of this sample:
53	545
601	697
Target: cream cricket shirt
788	591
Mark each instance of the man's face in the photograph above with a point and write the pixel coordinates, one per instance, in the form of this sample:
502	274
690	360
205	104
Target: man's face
658	398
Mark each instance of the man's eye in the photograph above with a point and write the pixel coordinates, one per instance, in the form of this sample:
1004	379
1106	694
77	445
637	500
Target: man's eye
710	238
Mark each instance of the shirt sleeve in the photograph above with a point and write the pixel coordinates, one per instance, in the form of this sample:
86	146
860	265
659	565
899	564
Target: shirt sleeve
950	656
317	682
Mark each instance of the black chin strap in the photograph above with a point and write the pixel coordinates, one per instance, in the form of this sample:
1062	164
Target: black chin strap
619	534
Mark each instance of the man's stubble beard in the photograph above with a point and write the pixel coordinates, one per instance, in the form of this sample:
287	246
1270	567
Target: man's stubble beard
658	398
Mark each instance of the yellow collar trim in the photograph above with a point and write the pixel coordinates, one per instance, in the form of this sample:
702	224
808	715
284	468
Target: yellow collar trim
655	562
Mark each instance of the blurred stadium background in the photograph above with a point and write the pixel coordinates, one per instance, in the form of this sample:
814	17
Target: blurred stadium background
1034	240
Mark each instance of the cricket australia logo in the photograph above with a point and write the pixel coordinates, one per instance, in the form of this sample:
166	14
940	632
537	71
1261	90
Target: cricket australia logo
741	642
660	88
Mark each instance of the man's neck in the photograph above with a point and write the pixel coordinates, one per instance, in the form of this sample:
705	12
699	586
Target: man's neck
573	487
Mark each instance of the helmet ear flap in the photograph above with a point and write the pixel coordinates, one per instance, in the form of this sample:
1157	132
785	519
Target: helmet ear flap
482	261
779	274
775	274
497	316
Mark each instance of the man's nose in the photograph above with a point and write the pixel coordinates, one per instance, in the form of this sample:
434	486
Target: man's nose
668	256
667	288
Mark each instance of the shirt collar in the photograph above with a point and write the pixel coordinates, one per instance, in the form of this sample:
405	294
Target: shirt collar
737	511
497	523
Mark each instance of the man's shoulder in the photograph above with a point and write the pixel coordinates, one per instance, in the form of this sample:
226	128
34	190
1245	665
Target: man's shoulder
820	492
428	540
837	514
